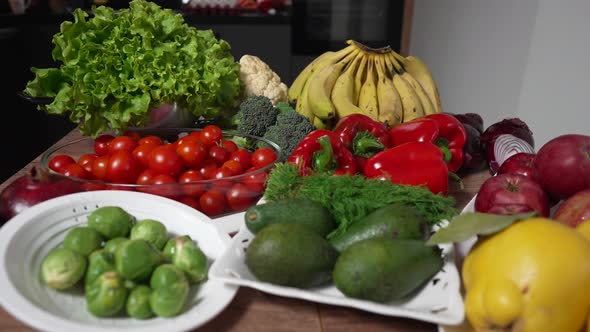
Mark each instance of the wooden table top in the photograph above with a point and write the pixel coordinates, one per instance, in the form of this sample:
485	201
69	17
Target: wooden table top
252	310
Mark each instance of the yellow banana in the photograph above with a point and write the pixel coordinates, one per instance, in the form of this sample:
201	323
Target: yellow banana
359	78
302	106
368	93
320	87
319	123
424	99
344	90
411	102
298	84
390	103
420	71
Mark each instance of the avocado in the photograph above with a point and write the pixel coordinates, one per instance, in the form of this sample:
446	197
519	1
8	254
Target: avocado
384	269
290	254
395	221
290	210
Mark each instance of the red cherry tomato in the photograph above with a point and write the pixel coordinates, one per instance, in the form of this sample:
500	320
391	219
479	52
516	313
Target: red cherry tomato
164	185
133	135
193	153
229	145
220	174
243	157
101	144
123	168
86	161
196	189
75	171
240	197
207	168
99	167
212	202
190	201
234	166
165	160
145	177
255	181
187	139
263	156
122	144
150	139
218	154
142	153
59	162
211	135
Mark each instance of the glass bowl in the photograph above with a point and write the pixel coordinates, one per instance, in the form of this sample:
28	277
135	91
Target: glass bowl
225	196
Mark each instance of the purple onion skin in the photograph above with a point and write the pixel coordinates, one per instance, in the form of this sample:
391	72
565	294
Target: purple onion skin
473	119
473	153
510	126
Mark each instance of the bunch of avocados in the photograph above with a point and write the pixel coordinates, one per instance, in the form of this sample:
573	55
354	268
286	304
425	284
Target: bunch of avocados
381	258
126	266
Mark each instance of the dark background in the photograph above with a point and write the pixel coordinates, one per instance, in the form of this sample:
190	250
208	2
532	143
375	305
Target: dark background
286	41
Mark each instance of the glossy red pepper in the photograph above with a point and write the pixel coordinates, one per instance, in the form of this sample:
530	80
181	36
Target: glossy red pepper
444	130
322	151
362	135
412	163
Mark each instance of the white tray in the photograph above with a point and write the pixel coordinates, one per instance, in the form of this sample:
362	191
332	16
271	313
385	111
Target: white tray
439	302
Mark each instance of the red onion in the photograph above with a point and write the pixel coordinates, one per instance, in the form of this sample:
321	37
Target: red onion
504	139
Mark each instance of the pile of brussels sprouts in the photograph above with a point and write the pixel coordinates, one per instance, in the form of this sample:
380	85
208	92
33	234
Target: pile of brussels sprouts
126	265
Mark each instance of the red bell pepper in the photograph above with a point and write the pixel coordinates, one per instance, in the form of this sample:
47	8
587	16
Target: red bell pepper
412	163
444	130
362	135
322	151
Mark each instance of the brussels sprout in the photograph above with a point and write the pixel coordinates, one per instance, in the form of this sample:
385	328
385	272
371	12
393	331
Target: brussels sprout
62	268
99	262
111	221
138	303
106	296
170	289
136	259
186	255
113	244
83	240
150	230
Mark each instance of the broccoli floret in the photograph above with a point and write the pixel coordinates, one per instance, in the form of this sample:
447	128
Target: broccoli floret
255	115
290	128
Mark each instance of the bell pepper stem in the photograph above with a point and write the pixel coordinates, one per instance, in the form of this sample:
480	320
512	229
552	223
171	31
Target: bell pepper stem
323	160
365	145
454	177
443	145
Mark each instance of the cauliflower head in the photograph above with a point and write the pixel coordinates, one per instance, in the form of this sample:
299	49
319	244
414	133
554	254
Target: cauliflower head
258	79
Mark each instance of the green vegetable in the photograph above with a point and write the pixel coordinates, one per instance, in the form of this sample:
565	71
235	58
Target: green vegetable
62	268
187	256
255	115
83	240
113	244
138	303
99	262
111	221
119	64
170	290
150	230
350	198
289	129
106	296
136	259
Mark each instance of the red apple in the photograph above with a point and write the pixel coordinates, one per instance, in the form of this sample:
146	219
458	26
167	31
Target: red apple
520	163
575	209
508	194
562	165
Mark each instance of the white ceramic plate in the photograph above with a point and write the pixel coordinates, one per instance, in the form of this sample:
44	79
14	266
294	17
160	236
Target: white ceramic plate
438	302
28	237
229	224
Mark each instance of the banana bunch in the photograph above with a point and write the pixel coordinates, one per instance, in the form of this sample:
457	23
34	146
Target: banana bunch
379	83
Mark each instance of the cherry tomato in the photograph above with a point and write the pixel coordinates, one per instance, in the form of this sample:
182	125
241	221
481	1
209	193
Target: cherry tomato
86	161
220	174
145	177
212	202
240	197
122	144
101	144
255	181
187	139
164	185
142	153
164	160
132	134
193	153
207	168
75	171
211	135
263	156
234	166
88	186
190	201
59	162
229	145
122	168
218	154
99	167
150	139
243	157
119	187
196	189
